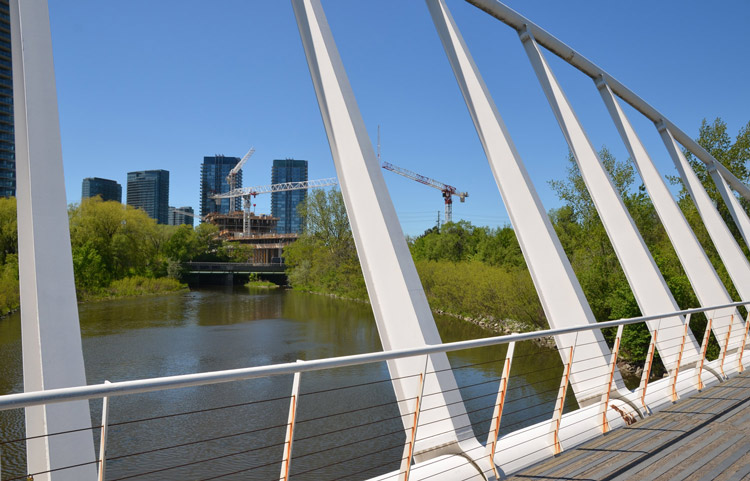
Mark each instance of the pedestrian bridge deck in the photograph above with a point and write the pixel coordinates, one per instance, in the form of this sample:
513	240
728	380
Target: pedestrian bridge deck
704	437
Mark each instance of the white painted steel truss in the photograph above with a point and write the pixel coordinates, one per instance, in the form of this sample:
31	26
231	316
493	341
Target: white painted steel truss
51	337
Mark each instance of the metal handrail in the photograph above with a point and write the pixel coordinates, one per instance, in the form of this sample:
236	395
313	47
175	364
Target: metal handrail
20	400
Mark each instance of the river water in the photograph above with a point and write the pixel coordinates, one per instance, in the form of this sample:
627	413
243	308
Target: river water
241	437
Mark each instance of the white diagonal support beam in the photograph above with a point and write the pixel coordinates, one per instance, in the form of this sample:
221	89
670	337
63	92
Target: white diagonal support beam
702	275
398	300
735	209
559	290
51	336
729	250
517	21
648	285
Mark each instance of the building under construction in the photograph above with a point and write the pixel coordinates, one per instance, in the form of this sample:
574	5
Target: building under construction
258	231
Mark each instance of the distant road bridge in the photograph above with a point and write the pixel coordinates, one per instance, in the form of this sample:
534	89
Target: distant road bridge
437	437
226	272
233	268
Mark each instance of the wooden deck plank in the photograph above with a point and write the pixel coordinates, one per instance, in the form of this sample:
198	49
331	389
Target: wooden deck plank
625	443
703	437
722	464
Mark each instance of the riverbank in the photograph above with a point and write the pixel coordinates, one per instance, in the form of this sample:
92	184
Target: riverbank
501	327
136	286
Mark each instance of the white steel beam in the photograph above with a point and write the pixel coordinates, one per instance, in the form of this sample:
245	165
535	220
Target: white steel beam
702	275
517	21
559	290
735	209
398	300
648	285
729	250
51	336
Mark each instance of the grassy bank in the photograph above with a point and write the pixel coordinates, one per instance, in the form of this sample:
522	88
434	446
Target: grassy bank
480	291
134	287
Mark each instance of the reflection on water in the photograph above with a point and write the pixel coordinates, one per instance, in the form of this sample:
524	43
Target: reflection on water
226	328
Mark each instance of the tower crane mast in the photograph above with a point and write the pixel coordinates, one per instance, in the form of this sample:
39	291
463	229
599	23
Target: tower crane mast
448	190
232	177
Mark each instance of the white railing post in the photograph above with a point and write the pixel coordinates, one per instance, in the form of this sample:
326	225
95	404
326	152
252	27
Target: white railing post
411	437
612	368
726	346
646	374
103	436
704	348
560	403
675	397
286	460
741	368
499	403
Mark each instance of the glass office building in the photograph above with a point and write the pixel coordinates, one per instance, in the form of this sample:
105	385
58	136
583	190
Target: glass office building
181	215
104	188
214	171
7	137
284	204
148	190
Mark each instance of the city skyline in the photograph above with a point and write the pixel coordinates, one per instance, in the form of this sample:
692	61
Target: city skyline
146	92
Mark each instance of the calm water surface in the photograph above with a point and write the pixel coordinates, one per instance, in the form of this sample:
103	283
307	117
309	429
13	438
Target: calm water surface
226	328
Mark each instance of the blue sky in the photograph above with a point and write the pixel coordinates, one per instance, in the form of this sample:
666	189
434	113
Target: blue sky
159	84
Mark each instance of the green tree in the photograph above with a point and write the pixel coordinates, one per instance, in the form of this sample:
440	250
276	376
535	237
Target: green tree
573	190
207	247
8	228
324	258
454	241
586	243
595	263
182	245
120	235
715	138
90	272
112	241
9	288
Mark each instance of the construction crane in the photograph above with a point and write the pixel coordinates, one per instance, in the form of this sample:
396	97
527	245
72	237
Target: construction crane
248	192
448	190
232	177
